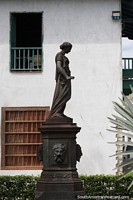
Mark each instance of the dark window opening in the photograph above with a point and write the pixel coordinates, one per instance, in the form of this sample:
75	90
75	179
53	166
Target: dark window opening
127	35
26	41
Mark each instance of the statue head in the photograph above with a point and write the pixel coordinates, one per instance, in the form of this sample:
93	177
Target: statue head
66	47
59	152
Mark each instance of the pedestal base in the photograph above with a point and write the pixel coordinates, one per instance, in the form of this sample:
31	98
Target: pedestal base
59	179
59	191
60	195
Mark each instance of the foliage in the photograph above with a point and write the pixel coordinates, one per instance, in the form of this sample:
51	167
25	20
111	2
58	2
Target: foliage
17	187
124	127
23	187
107	185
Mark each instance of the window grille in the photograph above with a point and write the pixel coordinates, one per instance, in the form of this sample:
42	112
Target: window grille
26	59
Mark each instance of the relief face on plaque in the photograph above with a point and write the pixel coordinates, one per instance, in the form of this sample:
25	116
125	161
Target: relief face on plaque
59	152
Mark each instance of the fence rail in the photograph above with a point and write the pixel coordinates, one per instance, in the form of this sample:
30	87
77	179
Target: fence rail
127	63
26	59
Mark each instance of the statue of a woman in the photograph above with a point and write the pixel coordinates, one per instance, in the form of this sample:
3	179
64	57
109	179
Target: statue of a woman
63	82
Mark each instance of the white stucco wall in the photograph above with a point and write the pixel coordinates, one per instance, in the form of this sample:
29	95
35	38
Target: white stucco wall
95	61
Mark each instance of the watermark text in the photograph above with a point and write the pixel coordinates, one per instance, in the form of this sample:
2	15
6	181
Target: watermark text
102	197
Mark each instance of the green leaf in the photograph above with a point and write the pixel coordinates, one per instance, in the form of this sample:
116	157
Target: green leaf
122	153
124	113
130	106
130	186
123	125
122	143
129	171
125	105
122	120
122	133
125	163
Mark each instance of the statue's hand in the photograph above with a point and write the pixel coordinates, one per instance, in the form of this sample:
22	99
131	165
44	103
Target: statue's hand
70	77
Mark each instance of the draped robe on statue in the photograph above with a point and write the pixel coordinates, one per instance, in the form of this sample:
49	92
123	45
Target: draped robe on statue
63	87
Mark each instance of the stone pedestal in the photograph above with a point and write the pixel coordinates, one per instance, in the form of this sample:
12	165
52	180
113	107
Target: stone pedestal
59	179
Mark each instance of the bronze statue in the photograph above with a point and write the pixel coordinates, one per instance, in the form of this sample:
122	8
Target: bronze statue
60	151
63	82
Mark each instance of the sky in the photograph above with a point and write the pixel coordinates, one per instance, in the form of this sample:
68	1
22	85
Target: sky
127	48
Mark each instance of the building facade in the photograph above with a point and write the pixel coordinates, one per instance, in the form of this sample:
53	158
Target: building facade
31	33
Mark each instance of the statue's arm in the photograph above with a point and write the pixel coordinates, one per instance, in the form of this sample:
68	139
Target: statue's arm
62	71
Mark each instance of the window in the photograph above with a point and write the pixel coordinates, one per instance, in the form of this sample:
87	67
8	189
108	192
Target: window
26	41
127	65
21	138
